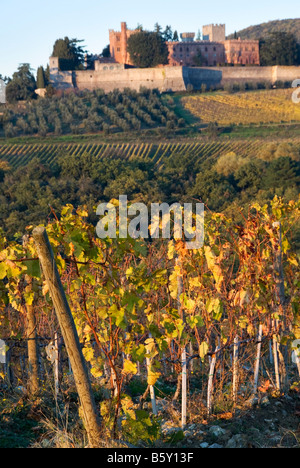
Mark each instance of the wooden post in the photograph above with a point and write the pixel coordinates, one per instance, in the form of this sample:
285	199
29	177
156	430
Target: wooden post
32	346
280	292
183	352
279	272
3	357
56	365
184	388
257	361
276	363
297	360
235	368
210	381
69	334
151	388
33	358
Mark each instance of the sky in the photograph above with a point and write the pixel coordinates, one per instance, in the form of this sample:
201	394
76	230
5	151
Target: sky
28	29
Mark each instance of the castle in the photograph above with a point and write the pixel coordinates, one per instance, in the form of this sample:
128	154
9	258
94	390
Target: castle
213	50
212	61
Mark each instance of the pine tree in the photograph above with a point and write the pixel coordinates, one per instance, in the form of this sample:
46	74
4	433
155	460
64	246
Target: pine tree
168	34
175	36
157	28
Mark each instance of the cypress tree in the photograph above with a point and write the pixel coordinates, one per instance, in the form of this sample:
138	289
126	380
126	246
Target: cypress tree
40	79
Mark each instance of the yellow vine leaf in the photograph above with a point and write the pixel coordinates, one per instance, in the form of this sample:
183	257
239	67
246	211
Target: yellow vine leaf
153	377
129	367
212	263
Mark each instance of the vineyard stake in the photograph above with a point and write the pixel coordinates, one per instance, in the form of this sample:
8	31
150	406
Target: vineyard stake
69	334
183	352
184	388
32	346
276	364
210	381
297	361
235	368
279	280
151	387
3	360
257	361
295	354
56	365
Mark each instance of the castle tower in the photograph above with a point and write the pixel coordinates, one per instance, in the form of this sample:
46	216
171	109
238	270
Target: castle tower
124	42
118	41
214	33
54	64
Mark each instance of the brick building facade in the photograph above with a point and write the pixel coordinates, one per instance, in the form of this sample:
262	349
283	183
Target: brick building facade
213	51
242	52
200	53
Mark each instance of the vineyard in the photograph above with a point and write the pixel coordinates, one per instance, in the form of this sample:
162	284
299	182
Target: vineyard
18	155
258	107
171	338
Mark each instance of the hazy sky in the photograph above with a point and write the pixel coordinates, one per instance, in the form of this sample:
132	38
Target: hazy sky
29	28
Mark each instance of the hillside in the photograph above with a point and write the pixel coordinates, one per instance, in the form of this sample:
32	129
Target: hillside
263	29
257	107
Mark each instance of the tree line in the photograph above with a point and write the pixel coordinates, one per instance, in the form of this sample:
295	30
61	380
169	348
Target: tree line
227	185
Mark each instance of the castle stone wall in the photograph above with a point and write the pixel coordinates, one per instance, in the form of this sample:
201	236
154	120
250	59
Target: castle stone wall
164	79
287	73
225	75
168	78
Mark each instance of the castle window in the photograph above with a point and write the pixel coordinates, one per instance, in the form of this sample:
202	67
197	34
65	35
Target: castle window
118	49
215	49
206	49
118	38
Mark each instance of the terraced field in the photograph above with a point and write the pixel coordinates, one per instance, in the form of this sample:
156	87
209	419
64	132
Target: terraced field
266	106
20	154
